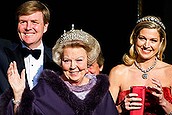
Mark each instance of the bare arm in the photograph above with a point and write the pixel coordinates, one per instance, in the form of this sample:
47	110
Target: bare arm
114	79
114	84
117	79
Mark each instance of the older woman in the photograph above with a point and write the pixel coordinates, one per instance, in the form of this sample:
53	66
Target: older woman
72	92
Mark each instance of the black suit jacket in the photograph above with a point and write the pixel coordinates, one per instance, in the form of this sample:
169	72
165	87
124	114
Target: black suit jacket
12	52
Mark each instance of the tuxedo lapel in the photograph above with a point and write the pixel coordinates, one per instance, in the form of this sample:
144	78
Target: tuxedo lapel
14	54
47	54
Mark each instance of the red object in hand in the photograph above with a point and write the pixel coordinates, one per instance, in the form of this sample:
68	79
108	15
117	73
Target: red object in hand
140	90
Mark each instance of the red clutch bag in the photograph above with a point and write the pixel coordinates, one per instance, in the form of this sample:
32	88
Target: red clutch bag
140	90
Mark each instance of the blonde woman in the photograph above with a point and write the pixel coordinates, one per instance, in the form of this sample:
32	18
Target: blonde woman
144	66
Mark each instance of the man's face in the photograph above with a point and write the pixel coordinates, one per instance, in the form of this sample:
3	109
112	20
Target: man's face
31	29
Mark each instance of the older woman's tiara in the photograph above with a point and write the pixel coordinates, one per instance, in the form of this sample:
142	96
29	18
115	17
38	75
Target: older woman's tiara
152	19
73	35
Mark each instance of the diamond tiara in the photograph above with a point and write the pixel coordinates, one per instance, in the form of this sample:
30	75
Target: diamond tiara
74	35
152	19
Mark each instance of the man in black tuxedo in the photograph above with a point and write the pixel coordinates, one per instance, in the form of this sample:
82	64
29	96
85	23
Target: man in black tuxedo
33	19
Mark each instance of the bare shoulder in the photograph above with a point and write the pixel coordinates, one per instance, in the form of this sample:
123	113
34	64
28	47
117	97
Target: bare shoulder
165	69
168	69
165	73
165	66
118	71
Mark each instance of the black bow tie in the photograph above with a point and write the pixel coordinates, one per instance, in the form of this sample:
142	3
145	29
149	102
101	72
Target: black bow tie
35	53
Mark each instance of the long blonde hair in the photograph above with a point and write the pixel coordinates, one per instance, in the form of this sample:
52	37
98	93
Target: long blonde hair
150	22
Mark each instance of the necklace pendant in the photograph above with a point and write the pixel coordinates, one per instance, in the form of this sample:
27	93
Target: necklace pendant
145	76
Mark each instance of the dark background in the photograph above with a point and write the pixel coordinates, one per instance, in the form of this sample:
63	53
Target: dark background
111	22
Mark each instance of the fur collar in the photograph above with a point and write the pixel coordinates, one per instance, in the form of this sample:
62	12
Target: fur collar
92	99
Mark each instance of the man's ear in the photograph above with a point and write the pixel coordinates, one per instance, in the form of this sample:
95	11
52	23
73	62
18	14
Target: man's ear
46	27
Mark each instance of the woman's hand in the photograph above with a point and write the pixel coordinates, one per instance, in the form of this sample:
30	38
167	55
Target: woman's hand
157	90
16	81
132	102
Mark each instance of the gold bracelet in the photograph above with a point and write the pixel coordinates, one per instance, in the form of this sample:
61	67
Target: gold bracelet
16	102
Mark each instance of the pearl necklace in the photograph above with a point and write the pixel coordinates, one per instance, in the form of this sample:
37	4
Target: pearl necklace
145	75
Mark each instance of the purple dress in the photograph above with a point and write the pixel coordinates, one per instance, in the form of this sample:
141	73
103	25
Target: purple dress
52	96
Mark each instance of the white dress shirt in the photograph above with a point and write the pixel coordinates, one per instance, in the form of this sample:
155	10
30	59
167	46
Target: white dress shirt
34	67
